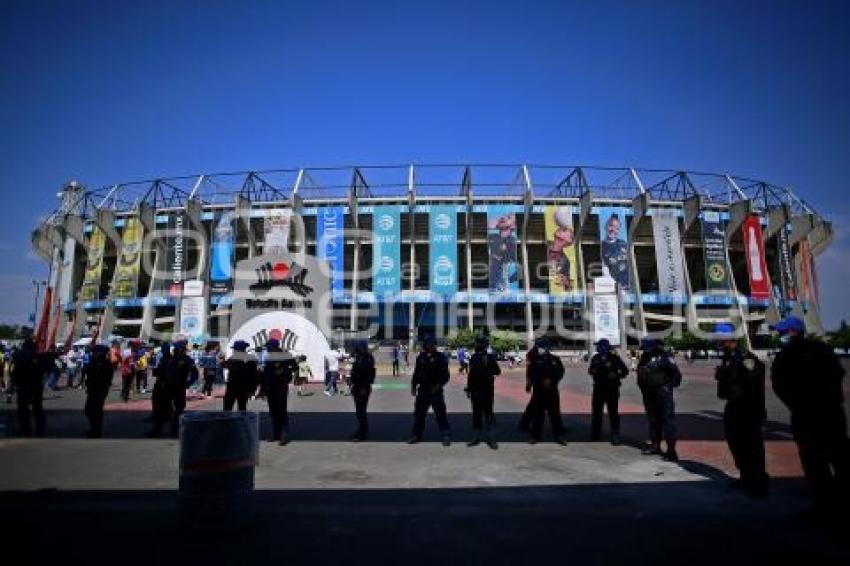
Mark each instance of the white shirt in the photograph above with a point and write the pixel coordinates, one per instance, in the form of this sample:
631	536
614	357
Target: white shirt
332	360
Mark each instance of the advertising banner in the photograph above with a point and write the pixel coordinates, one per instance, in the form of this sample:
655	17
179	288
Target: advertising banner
606	315
785	266
386	226
443	250
221	254
756	264
560	249
614	244
808	276
714	251
668	253
126	278
502	248
90	290
193	317
276	231
174	269
330	229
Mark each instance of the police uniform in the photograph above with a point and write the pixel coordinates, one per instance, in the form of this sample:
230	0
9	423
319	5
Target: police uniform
278	373
27	380
740	382
97	388
607	370
807	377
545	371
658	375
430	375
480	384
179	371
242	377
362	377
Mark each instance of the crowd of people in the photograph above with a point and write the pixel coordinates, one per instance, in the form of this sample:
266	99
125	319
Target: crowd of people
806	376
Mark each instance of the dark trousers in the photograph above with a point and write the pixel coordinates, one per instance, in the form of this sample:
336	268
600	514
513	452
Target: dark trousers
277	398
743	427
236	395
126	385
141	380
161	406
94	413
209	380
30	407
361	404
545	402
173	404
395	367
425	400
482	410
821	438
660	412
604	395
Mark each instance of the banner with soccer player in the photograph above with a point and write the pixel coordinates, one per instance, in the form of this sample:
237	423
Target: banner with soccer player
560	249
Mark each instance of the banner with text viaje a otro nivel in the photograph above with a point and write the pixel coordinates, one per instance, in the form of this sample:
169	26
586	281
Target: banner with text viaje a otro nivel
714	251
614	244
221	253
502	249
330	230
443	250
90	290
560	249
668	253
129	260
756	264
386	226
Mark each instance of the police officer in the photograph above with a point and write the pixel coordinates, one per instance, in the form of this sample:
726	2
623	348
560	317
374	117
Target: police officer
278	372
242	377
607	370
480	379
808	377
97	388
362	377
740	382
658	375
545	370
182	371
28	381
430	375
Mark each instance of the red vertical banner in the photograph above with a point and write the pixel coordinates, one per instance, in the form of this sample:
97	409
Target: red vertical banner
44	322
69	341
805	273
51	336
756	264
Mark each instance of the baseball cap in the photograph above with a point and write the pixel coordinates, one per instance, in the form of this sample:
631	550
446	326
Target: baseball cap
789	323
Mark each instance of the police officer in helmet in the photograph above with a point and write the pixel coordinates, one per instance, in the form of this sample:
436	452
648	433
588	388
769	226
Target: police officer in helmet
362	378
607	370
658	375
480	379
545	370
242	377
807	377
430	375
98	382
740	382
278	372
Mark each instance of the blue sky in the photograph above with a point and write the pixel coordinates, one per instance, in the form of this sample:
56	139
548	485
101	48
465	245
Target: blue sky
116	91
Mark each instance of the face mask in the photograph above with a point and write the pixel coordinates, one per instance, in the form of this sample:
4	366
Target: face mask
785	339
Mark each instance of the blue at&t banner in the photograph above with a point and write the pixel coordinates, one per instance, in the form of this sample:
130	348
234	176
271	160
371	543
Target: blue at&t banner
330	242
443	256
386	226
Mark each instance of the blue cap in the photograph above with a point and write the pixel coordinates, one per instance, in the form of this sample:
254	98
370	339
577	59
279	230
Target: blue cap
789	323
429	340
603	344
724	331
240	345
649	344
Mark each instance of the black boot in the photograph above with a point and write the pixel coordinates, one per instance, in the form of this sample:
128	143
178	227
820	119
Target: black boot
671	455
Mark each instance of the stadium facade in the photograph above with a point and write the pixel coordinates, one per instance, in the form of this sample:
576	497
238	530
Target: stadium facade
618	252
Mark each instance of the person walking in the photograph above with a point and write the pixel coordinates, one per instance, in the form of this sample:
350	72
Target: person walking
208	364
808	378
396	357
27	380
331	372
480	388
461	360
543	374
303	375
160	400
607	370
362	377
278	372
658	376
97	389
242	377
740	382
430	375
